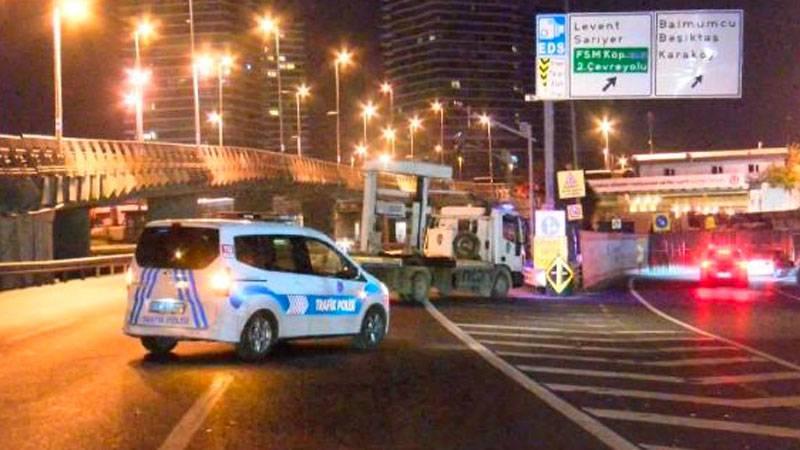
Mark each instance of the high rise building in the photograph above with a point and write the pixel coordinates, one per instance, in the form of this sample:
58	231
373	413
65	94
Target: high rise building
221	27
476	57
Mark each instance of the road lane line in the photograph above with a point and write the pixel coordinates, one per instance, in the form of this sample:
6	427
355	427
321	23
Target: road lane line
602	374
191	421
746	403
685	325
693	422
589	348
565	330
749	378
662	447
636	362
622	340
585	421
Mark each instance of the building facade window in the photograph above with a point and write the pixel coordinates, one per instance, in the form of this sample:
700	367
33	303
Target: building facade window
716	169
668	172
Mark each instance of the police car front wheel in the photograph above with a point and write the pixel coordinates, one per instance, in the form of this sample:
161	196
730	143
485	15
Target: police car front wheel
373	329
258	337
159	345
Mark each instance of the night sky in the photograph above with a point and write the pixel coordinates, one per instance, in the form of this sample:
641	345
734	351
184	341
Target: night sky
93	70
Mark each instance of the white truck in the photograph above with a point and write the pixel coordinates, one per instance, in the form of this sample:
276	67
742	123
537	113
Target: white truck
476	250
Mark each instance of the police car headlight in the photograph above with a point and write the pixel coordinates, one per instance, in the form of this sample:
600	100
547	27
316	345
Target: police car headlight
221	282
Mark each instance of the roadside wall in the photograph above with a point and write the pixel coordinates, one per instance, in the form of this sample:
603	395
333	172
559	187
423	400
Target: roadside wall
607	256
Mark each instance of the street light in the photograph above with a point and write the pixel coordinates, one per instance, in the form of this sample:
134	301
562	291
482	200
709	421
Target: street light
143	30
605	126
414	124
361	150
222	65
623	162
437	107
460	160
343	58
486	121
368	111
386	89
390	135
269	25
302	92
195	80
76	11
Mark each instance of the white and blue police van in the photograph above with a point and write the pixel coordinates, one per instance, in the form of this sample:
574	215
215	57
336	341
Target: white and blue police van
248	283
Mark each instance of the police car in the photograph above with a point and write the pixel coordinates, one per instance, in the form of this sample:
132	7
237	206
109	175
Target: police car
248	283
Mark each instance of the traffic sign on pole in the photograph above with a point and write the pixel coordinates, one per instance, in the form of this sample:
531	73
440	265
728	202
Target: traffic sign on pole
551	57
611	55
559	275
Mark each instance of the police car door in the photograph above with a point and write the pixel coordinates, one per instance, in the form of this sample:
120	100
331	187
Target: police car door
270	267
338	310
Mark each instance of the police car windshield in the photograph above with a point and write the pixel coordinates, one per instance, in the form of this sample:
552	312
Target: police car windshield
177	247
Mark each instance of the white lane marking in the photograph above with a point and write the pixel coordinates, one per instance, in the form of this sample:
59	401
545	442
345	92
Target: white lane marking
589	348
662	447
685	325
745	403
191	421
585	421
749	378
565	330
637	362
590	339
692	422
602	374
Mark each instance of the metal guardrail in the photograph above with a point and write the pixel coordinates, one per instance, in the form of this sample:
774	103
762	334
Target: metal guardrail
65	266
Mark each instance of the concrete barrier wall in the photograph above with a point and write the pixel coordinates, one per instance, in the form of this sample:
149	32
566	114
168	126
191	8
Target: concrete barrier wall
607	256
25	237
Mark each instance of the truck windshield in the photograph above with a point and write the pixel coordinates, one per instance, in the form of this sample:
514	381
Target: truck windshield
177	247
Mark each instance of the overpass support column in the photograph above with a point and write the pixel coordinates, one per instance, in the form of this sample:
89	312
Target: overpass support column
174	207
318	211
71	233
25	237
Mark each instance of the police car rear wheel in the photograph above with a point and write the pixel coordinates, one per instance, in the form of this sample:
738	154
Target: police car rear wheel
159	345
373	330
258	337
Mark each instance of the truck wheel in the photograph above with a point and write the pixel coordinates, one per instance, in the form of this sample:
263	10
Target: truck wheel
466	246
419	286
258	337
501	284
159	346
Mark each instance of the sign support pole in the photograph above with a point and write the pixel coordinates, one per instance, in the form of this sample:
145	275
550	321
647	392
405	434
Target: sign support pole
549	155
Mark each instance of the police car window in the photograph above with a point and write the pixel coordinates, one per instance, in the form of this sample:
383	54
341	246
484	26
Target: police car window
267	252
327	262
177	247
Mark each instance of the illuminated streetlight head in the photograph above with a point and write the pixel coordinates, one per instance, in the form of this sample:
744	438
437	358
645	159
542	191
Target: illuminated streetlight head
74	10
138	77
389	134
226	61
623	162
361	150
144	29
438	148
268	24
436	106
385	158
485	119
605	125
344	57
369	110
131	99
414	123
303	91
214	117
386	88
204	64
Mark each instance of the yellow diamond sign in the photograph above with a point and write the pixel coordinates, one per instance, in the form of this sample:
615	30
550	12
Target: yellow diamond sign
559	275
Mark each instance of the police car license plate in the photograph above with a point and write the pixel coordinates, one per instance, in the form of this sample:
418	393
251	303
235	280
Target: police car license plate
167	306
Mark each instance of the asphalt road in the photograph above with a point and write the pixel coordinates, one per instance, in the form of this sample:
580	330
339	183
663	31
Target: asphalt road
600	371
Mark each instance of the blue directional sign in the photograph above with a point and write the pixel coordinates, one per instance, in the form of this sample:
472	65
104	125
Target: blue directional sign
661	223
551	35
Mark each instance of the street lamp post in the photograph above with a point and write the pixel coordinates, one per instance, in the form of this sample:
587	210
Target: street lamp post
143	29
368	111
414	124
343	58
386	89
437	107
606	128
269	25
487	121
71	9
224	65
302	92
390	135
195	76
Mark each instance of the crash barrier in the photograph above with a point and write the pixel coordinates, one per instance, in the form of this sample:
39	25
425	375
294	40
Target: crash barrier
43	272
686	248
608	256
